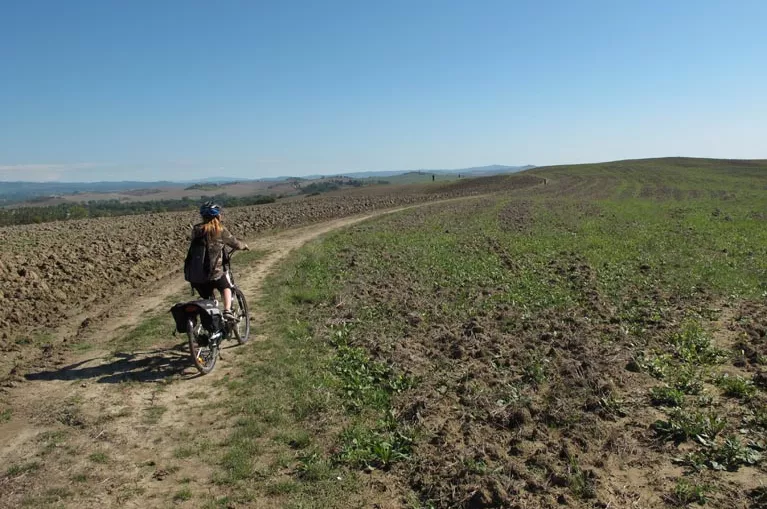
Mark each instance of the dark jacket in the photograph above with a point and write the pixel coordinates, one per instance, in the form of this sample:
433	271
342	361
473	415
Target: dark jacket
216	249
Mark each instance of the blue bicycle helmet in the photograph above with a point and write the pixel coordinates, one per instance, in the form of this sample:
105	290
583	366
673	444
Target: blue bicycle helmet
209	210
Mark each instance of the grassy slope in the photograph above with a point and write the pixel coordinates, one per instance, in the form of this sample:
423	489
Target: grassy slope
567	343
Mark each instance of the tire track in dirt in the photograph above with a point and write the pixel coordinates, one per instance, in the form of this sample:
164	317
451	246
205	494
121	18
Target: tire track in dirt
112	429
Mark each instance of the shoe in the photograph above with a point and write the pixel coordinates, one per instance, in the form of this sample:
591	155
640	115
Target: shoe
229	316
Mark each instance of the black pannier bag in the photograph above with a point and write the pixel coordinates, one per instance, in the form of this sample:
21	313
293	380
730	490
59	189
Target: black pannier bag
209	314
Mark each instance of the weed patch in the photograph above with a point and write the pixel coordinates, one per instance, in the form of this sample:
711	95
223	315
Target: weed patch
666	396
686	492
736	387
729	455
379	447
684	424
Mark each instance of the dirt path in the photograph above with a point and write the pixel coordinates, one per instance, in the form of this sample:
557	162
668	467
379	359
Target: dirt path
103	428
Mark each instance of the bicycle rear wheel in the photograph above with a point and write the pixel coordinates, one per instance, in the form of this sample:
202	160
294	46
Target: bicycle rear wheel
241	329
204	355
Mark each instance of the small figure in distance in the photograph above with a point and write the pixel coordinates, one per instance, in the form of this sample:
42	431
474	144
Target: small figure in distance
204	264
432	178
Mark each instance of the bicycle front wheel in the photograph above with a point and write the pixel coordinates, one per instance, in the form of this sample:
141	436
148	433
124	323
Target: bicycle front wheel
240	310
204	354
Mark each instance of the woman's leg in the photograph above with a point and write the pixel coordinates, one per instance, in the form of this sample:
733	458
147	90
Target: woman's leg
227	293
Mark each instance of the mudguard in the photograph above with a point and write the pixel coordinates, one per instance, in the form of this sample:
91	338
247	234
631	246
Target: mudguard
206	310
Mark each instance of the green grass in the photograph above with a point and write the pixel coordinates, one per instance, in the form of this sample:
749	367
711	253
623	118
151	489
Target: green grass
99	457
35	339
52	440
242	259
153	414
48	498
22	468
182	495
151	331
686	493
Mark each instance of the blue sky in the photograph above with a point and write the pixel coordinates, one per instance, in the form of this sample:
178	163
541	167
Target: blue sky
183	89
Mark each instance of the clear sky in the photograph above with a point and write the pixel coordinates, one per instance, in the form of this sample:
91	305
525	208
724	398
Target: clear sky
185	89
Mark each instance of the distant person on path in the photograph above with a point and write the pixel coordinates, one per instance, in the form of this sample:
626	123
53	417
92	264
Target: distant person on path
204	264
432	178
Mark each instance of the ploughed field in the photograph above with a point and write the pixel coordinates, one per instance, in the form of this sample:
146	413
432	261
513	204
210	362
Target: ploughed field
598	341
52	272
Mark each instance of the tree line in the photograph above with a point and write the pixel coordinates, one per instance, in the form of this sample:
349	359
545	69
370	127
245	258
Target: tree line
109	208
326	186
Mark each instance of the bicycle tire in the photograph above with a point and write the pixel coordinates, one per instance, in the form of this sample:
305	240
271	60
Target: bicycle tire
203	356
242	329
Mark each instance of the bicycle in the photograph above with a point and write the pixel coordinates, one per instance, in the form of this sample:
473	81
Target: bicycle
205	326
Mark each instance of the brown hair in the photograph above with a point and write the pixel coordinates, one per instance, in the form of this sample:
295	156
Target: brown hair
212	228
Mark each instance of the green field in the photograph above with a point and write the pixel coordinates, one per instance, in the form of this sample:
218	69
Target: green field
595	342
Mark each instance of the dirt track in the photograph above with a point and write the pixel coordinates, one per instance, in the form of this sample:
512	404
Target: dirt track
114	422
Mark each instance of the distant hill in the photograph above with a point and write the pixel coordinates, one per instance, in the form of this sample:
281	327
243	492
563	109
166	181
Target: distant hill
493	169
20	191
668	164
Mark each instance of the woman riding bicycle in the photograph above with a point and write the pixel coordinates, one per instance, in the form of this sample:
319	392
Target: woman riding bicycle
212	232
